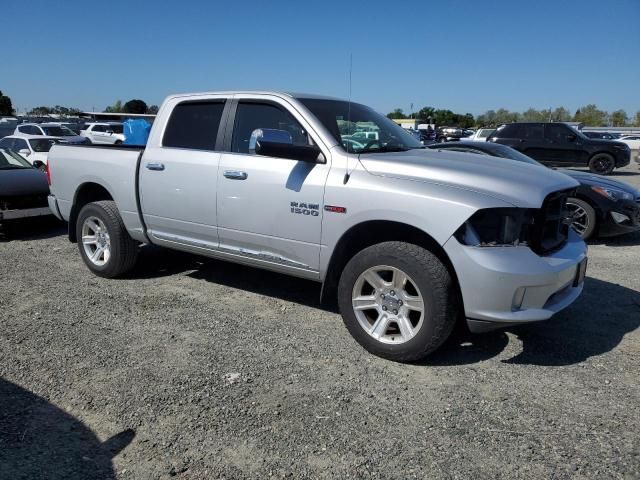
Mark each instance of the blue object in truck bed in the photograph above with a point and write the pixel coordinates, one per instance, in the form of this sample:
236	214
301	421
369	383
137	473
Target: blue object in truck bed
136	132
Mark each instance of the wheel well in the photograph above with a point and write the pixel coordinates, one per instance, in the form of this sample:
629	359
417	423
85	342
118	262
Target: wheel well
86	193
370	233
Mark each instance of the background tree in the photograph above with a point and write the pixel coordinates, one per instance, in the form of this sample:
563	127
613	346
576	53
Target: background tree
40	111
153	109
591	116
115	108
396	114
619	118
134	106
6	108
560	114
636	122
425	113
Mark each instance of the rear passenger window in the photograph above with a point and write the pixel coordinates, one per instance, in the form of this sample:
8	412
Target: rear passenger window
533	132
194	125
99	128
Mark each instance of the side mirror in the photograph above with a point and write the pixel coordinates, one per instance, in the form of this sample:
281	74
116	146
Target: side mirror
571	137
39	164
25	152
279	143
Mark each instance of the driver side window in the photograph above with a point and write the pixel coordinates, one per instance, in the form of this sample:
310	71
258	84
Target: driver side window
251	116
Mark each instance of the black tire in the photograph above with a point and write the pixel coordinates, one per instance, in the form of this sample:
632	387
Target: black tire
602	164
124	250
442	140
586	224
434	282
118	142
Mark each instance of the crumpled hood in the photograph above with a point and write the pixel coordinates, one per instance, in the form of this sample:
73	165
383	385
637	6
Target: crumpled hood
517	183
19	182
598	180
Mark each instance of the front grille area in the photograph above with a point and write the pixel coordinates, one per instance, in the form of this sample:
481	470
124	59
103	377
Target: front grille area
551	228
23	202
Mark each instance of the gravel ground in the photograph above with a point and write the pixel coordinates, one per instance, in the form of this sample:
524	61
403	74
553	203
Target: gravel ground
194	368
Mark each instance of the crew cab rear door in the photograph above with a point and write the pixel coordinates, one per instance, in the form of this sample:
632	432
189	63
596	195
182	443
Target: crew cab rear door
270	209
178	174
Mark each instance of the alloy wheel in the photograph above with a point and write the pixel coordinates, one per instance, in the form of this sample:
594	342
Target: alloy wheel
388	304
96	241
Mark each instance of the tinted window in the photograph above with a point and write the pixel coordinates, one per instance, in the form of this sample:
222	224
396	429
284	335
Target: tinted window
42	144
20	144
99	128
251	116
513	130
6	143
557	133
533	132
194	125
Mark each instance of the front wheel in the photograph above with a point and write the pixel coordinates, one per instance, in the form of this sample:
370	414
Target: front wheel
398	301
105	246
583	217
602	164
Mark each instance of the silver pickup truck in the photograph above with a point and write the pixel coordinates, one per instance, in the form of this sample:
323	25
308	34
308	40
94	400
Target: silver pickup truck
408	240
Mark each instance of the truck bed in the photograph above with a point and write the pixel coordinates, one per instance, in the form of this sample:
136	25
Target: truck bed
114	167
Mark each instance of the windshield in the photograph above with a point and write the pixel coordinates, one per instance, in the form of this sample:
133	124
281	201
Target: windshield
503	151
41	144
359	129
10	159
58	131
485	132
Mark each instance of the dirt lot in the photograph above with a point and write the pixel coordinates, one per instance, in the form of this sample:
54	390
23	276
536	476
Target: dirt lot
194	368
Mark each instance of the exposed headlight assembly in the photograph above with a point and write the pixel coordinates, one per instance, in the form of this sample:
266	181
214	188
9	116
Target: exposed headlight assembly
497	227
613	193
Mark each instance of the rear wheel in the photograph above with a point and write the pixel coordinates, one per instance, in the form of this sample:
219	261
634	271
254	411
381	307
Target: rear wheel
583	217
602	164
105	246
398	301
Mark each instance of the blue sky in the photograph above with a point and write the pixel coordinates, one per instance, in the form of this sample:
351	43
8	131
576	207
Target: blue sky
465	55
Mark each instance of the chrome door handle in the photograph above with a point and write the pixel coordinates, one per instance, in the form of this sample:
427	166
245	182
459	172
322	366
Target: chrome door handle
235	175
155	166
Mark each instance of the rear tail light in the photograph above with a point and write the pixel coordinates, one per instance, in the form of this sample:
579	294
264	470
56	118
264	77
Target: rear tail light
47	169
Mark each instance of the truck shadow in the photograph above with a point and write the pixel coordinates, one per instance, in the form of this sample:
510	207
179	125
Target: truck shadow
39	440
37	228
593	325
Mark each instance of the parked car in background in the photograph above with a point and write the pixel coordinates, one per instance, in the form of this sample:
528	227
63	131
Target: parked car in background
51	129
33	147
600	206
632	140
406	239
110	133
23	188
557	144
481	135
449	134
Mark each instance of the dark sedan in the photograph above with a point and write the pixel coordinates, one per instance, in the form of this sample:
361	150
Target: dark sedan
23	188
601	206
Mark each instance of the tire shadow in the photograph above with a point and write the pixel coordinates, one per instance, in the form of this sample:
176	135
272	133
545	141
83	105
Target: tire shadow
40	441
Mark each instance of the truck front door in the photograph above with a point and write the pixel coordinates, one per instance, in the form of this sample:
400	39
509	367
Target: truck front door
178	175
270	209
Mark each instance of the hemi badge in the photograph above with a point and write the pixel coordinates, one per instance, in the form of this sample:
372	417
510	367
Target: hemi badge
334	209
